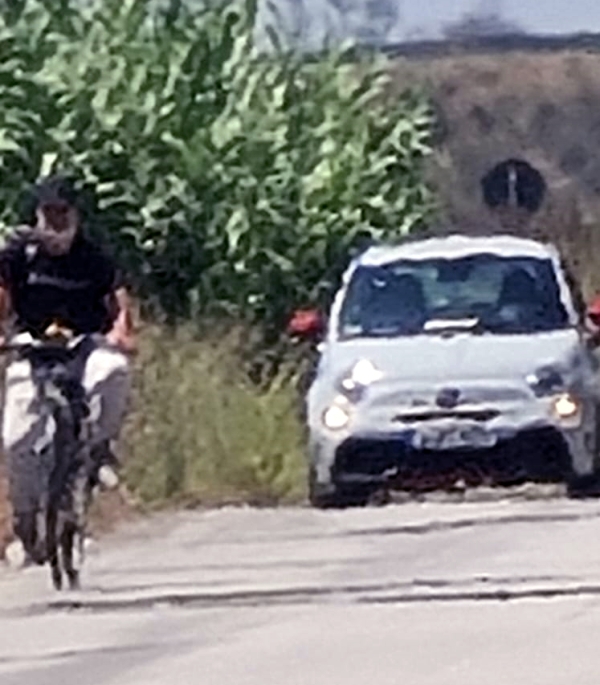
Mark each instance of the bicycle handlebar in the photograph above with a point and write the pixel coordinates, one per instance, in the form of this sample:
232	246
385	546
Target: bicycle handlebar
52	343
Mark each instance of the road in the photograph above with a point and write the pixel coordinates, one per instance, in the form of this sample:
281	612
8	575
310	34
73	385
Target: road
501	593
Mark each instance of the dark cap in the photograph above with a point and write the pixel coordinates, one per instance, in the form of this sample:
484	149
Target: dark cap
55	190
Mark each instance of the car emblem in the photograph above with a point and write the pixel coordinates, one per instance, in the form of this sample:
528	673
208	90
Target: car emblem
447	398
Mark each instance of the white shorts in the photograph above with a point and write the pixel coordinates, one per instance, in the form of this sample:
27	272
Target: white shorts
107	383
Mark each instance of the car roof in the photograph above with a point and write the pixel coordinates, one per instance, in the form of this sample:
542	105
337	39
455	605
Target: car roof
454	246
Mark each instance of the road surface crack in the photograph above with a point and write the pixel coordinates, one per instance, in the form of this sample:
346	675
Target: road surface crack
479	589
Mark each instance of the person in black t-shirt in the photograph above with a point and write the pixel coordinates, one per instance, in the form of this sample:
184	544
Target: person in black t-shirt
51	272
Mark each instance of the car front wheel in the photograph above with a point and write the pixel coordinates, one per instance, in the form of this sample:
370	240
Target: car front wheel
336	496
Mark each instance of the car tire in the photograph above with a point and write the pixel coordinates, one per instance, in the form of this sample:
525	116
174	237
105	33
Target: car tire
584	487
336	496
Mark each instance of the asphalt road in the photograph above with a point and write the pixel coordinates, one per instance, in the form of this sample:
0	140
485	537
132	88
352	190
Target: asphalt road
500	593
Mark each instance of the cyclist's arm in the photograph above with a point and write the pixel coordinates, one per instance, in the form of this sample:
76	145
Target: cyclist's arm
5	311
111	281
122	334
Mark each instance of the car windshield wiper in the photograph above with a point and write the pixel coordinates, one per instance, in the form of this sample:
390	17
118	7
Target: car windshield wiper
432	327
469	324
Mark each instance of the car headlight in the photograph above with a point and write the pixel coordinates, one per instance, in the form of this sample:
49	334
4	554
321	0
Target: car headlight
546	381
336	417
566	407
363	374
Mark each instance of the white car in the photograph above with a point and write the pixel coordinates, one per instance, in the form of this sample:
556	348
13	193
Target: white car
446	349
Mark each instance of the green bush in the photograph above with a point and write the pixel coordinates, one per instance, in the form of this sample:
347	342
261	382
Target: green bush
199	432
230	181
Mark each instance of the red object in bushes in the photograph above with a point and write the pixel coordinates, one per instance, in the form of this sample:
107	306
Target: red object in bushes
593	311
305	322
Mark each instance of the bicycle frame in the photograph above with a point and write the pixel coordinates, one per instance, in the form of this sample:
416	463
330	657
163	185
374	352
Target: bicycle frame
65	459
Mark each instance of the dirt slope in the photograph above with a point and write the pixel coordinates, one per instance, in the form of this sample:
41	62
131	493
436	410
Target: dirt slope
540	107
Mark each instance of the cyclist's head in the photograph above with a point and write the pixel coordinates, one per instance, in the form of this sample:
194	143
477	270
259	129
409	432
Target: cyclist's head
56	213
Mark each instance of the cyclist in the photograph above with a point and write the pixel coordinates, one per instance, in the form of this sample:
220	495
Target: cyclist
51	271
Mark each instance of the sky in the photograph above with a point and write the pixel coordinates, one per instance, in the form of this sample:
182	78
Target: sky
424	19
536	16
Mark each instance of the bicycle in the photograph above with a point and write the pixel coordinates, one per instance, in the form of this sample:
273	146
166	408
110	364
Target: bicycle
64	463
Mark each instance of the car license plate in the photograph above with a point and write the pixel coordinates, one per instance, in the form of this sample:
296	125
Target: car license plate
455	437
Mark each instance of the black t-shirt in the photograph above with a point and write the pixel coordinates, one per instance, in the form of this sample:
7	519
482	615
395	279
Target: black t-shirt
70	289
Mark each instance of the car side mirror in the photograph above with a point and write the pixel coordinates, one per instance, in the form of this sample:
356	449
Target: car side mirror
307	324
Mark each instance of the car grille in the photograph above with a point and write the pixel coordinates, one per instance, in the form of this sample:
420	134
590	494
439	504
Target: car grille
479	415
422	399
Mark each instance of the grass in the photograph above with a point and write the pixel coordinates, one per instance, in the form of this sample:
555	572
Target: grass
200	433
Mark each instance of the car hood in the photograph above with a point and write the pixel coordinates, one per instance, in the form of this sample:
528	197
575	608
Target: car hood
426	358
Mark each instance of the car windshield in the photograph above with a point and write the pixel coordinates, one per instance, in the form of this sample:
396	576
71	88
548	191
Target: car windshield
483	293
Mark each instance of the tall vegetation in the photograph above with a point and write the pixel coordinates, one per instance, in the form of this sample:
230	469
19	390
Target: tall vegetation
230	181
234	184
